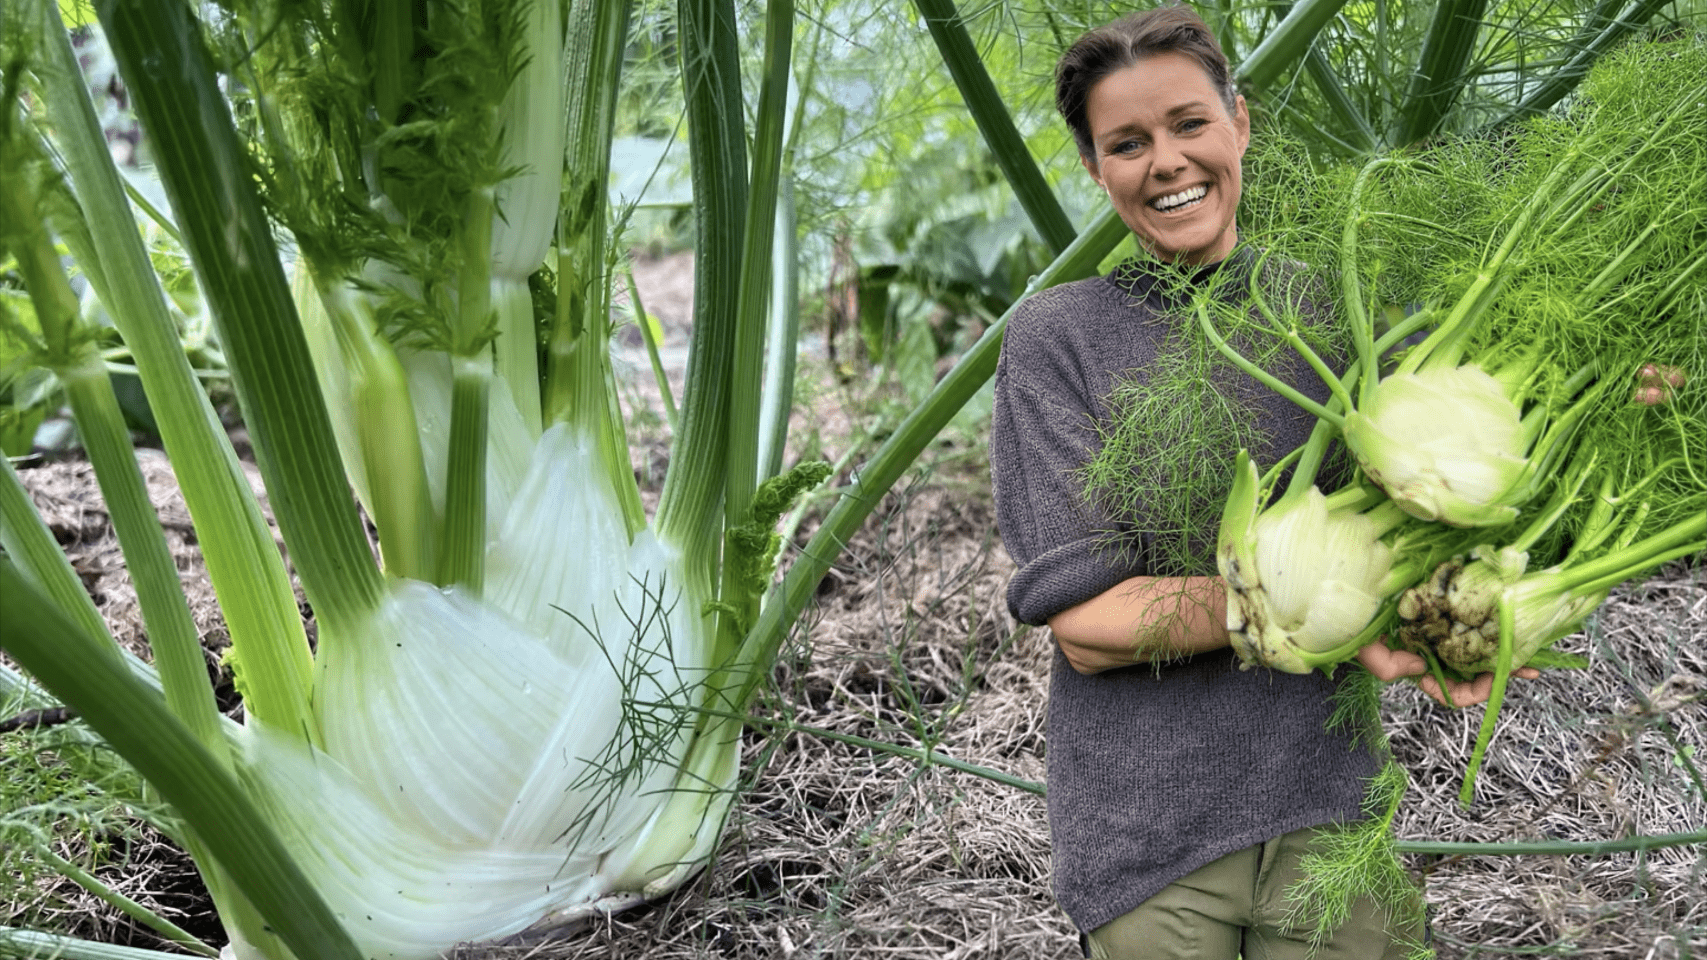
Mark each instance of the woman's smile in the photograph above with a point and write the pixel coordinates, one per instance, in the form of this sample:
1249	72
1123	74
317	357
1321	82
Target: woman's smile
1188	199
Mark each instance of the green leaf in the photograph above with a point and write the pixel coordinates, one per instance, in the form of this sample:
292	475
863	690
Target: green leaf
206	172
80	670
995	123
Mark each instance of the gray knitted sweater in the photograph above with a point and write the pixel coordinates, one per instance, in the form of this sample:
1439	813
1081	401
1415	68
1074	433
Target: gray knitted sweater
1153	772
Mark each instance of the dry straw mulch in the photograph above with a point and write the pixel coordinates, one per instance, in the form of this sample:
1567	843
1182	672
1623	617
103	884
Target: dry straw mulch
837	851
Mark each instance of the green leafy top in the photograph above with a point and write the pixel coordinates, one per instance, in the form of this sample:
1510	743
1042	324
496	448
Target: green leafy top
1150	474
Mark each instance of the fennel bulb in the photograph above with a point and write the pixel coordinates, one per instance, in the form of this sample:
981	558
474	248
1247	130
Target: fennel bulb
1303	579
487	761
1446	444
1455	612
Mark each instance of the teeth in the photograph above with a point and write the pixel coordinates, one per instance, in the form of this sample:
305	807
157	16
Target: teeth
1178	199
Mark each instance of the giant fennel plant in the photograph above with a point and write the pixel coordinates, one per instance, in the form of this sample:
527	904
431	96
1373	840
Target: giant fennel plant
529	702
524	696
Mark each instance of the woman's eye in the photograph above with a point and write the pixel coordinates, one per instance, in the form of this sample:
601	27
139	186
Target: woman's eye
1124	146
1193	125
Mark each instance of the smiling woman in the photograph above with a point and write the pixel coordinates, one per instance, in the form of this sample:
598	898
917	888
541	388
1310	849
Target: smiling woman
1166	148
1182	791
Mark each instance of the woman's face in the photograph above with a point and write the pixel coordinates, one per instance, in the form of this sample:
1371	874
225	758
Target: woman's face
1168	155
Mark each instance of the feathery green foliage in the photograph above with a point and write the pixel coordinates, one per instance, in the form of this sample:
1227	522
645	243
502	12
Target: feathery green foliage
1348	862
1148	475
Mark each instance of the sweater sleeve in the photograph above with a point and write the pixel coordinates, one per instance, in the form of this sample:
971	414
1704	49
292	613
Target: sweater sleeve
1040	435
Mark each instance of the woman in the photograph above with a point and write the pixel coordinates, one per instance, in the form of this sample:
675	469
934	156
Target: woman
1182	790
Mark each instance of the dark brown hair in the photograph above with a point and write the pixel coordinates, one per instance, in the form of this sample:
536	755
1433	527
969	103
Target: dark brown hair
1124	42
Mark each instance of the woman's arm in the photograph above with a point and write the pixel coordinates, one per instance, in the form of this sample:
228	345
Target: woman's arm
1143	620
1156	619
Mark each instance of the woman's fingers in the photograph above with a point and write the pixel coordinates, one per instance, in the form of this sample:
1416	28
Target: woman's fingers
1467	693
1389	665
1464	692
1655	383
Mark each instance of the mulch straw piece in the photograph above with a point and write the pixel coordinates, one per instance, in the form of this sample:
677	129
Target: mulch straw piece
835	851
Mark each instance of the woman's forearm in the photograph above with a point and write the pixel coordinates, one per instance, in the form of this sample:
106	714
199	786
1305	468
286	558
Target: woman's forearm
1143	620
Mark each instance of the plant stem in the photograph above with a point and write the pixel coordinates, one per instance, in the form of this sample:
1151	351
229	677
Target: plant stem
1363	138
1496	697
31	545
1363	334
746	375
1440	74
1566	78
78	668
172	633
25	944
1263	376
207	173
785	602
1622	564
243	562
515	352
463	556
650	336
1551	848
386	466
782	338
926	756
1286	43
948	29
1648	562
689	507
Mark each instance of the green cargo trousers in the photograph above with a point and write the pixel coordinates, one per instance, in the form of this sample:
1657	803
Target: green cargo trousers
1234	907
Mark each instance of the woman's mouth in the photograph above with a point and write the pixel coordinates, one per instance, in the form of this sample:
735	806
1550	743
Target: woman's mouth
1184	200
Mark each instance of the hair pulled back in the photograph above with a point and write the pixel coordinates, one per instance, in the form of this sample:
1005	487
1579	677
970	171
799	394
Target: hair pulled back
1124	42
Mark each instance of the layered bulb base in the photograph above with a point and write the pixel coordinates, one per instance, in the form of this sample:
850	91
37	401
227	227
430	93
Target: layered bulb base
483	762
1455	612
1303	580
1446	444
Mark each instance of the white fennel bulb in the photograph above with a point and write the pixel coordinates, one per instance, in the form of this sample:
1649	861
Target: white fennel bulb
1445	443
490	761
1303	579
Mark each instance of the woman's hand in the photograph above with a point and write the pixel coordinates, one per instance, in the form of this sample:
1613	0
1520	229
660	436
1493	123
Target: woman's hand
1390	665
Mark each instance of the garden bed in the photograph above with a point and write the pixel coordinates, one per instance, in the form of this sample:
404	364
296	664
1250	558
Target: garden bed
839	851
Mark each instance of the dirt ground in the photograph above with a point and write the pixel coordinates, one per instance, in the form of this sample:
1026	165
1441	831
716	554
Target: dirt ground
835	850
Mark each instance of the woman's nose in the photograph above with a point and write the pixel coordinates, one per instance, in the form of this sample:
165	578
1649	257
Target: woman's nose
1167	161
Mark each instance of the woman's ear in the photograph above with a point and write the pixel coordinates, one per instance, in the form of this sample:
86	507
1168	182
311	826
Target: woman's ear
1242	124
1091	166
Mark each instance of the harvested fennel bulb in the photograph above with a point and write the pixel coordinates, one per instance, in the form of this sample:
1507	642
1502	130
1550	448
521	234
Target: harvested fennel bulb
1455	612
1445	443
1304	578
